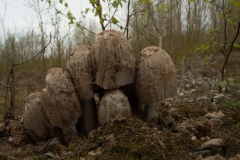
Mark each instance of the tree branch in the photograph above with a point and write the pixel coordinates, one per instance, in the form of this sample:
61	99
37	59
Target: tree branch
230	49
42	51
128	18
5	85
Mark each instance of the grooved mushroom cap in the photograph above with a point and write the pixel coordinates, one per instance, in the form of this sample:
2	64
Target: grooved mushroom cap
61	104
113	60
113	103
80	69
156	78
34	120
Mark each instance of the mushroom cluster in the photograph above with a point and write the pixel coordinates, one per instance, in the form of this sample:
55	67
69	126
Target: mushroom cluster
99	83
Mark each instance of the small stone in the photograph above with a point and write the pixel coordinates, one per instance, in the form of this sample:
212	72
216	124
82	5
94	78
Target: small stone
181	94
51	155
215	115
109	137
144	128
212	144
2	127
161	144
193	91
216	157
10	139
94	154
205	138
112	142
193	138
237	157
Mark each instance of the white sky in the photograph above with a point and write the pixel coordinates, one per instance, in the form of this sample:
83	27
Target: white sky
18	16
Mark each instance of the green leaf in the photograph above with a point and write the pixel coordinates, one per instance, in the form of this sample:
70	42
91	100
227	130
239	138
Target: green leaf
66	5
115	4
104	16
86	11
223	83
146	11
114	20
78	24
101	20
61	1
231	81
232	20
203	47
98	10
70	17
163	9
93	1
237	4
207	60
220	16
147	1
235	45
58	11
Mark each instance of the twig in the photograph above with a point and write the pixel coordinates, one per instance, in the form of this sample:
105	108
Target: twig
128	18
42	51
109	22
5	85
9	113
78	24
230	50
50	142
5	103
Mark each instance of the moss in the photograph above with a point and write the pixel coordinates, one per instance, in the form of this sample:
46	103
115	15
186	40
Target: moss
234	117
232	109
135	139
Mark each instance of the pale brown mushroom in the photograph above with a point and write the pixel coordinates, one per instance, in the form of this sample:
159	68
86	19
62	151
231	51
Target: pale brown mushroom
113	60
60	102
155	80
113	103
80	69
34	120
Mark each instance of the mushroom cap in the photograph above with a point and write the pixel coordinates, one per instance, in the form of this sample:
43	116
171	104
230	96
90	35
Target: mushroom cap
61	104
80	69
112	59
34	120
156	78
113	103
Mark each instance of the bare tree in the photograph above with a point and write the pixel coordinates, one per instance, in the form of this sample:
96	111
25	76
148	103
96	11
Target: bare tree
40	9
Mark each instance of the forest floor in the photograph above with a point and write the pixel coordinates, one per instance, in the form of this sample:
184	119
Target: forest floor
199	124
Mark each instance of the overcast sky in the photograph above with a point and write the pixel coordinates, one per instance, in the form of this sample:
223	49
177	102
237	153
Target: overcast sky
18	16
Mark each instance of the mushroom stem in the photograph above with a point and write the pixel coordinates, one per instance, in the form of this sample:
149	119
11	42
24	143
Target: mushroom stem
151	112
89	115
